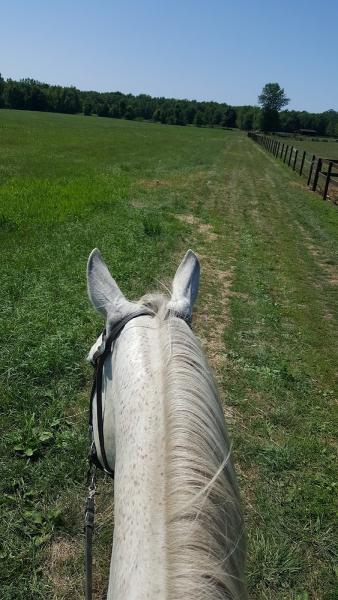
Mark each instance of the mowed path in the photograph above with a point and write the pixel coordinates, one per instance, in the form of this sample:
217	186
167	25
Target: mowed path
267	317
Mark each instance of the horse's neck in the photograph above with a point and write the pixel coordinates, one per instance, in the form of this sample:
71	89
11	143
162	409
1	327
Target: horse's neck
138	568
178	522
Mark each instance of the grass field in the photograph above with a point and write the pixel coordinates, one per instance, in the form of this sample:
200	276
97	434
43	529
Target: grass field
267	316
327	149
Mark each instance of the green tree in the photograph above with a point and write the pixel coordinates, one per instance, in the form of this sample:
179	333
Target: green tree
102	110
229	117
114	111
35	97
190	112
87	108
122	107
245	117
272	99
65	99
289	121
216	117
130	113
14	94
170	117
269	120
180	116
199	120
157	115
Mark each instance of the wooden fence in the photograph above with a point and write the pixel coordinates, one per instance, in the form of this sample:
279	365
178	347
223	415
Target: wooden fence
321	173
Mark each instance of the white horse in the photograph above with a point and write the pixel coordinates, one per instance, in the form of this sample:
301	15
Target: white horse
178	532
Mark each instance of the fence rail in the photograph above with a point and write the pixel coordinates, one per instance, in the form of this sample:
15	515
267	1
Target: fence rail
321	173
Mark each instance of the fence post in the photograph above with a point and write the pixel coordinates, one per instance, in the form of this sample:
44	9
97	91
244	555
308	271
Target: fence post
282	150
302	163
286	151
327	182
295	160
317	171
290	156
311	168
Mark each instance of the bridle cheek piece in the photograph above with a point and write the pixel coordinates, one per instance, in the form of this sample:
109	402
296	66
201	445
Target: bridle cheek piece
98	361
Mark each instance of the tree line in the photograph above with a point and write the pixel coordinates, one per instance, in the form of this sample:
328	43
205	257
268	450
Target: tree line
29	94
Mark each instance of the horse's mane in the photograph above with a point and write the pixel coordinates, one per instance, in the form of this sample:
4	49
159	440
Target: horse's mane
205	542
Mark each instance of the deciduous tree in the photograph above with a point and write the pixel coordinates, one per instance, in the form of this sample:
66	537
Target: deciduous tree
272	99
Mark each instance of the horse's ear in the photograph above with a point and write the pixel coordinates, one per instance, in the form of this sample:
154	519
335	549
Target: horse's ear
103	291
185	285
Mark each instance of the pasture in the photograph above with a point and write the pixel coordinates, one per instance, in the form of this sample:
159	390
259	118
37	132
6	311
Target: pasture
267	317
323	147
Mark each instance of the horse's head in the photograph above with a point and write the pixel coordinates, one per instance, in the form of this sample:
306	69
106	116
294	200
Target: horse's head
119	314
107	298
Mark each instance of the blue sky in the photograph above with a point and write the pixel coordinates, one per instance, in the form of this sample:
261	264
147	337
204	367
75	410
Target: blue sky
207	50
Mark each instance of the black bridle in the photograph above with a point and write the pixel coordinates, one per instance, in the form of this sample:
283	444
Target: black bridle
98	363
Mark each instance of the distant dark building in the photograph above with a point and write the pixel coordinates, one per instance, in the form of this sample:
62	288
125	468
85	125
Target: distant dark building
306	131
